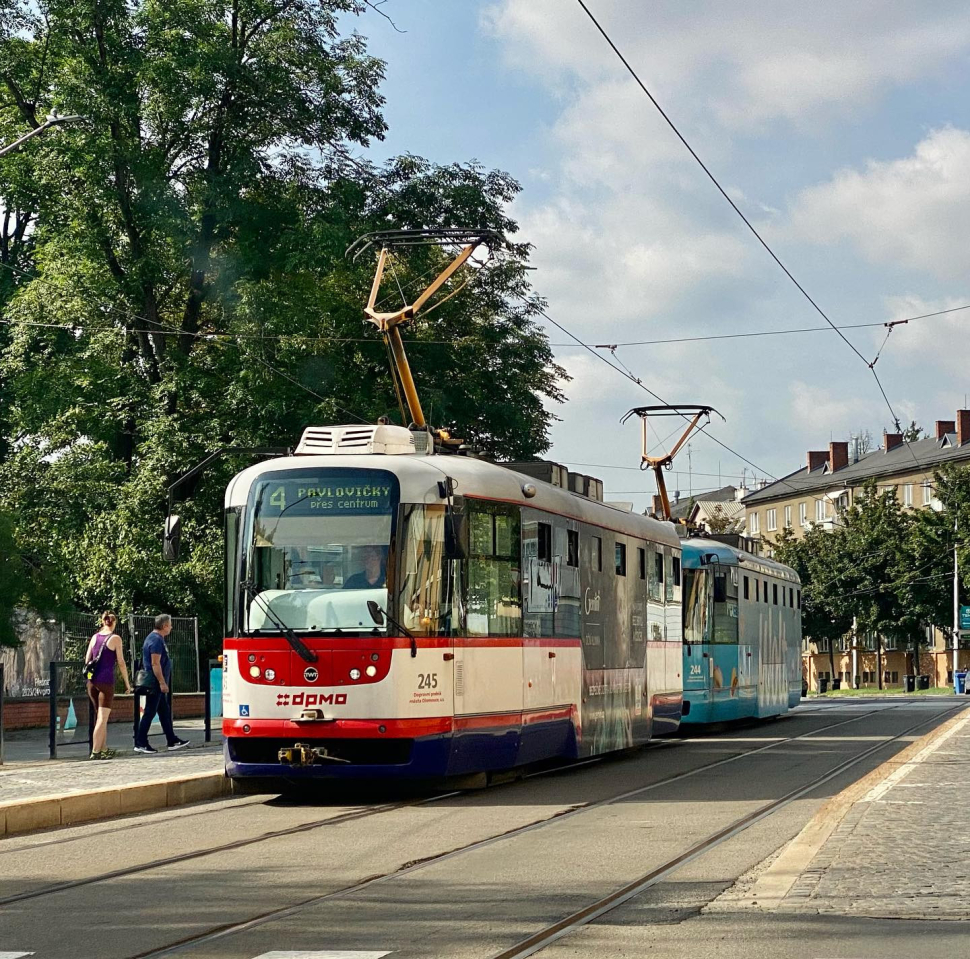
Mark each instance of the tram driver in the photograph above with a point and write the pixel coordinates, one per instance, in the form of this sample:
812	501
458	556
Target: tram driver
374	573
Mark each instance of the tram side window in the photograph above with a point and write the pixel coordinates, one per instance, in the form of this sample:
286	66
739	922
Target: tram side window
757	590
642	561
232	567
765	593
774	593
572	548
597	554
544	542
747	588
798	599
791	597
726	605
669	575
657	579
620	557
494	595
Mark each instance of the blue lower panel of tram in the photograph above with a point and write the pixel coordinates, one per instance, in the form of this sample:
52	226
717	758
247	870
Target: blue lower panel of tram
721	684
459	753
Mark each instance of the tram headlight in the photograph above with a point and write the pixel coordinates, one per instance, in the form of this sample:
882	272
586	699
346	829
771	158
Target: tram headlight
355	674
371	670
254	672
270	675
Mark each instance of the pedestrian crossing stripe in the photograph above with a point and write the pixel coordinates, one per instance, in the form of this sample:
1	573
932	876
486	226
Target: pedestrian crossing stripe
303	954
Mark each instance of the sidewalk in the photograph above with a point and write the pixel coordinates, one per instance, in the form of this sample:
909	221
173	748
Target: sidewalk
36	792
896	845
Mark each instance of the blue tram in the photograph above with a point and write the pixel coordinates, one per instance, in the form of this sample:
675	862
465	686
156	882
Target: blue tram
742	634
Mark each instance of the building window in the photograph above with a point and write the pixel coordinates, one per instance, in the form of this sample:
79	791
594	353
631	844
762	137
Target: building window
642	561
597	557
620	558
787	517
771	519
908	494
747	588
755	524
927	493
819	510
895	677
803	514
572	548
544	542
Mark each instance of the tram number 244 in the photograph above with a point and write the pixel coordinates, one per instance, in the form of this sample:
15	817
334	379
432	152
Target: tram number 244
427	680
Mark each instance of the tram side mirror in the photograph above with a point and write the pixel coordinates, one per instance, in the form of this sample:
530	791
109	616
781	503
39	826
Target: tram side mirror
171	538
376	613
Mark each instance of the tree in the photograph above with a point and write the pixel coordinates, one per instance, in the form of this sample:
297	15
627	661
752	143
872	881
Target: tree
25	580
913	432
181	283
719	522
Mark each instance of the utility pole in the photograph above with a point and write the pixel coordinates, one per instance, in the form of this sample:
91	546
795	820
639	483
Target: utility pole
52	121
956	603
855	654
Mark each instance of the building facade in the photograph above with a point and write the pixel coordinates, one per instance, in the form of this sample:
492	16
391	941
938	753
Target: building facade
814	496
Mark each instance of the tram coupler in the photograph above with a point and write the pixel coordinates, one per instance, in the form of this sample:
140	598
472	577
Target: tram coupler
303	754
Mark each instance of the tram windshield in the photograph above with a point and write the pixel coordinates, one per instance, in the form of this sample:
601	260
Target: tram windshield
318	549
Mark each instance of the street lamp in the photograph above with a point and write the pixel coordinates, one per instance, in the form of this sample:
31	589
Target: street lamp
52	120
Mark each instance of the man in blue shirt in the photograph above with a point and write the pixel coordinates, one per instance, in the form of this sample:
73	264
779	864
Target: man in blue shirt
158	665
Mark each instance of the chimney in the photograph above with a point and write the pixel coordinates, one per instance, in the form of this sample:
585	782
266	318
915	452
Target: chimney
891	440
838	456
945	426
963	427
817	458
658	506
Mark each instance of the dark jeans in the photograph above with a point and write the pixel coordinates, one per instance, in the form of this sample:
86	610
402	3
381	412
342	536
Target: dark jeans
156	702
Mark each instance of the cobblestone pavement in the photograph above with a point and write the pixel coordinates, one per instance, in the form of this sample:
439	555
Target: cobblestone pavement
24	780
903	851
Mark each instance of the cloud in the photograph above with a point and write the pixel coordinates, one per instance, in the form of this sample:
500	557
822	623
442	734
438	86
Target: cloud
911	212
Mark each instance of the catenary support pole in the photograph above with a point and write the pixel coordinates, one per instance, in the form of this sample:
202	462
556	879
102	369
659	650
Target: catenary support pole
956	605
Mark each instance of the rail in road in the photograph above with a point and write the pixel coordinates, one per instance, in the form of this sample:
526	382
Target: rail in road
215	933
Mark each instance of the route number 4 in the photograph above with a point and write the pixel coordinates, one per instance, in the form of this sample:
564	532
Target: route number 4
427	680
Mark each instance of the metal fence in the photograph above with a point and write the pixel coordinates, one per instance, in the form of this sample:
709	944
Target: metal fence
183	648
182	642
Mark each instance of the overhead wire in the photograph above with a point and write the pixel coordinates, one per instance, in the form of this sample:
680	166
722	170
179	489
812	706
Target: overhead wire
740	213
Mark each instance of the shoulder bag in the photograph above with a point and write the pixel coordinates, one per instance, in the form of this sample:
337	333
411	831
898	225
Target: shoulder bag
92	664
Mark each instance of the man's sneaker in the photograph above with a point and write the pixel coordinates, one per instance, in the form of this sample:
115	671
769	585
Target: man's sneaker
179	744
145	749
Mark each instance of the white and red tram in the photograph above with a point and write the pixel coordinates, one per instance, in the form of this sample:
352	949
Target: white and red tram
522	622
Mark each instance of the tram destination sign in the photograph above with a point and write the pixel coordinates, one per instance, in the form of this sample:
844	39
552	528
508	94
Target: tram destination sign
363	494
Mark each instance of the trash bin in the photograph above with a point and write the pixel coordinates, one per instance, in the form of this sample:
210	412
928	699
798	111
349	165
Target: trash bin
909	683
922	682
960	682
823	685
836	684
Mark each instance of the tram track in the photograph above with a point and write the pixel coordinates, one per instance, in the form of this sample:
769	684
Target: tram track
356	814
577	920
283	912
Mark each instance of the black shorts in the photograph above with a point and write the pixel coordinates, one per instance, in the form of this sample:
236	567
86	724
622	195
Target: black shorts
102	694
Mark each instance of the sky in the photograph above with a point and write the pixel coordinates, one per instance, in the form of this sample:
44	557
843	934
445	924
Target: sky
842	131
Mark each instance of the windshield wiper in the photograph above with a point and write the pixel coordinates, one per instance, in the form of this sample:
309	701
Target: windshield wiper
301	649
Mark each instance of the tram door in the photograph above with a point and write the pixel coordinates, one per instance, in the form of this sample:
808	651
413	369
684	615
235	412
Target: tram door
698	624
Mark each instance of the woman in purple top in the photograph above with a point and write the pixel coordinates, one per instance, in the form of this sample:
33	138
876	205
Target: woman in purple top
105	647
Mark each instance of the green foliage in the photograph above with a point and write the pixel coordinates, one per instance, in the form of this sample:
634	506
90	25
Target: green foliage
180	283
25	580
887	568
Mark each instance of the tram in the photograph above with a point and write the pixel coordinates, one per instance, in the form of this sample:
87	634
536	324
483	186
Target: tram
742	634
394	612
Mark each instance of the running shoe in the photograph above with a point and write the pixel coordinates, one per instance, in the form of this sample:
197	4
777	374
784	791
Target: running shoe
146	749
107	754
179	744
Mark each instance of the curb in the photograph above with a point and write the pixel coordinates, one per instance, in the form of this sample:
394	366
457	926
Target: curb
71	809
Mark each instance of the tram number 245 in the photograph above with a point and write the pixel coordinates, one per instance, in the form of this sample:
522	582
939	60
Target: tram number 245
427	680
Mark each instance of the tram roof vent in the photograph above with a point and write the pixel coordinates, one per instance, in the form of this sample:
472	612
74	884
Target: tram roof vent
347	440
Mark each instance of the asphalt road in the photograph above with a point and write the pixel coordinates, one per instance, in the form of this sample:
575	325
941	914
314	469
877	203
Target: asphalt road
472	874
